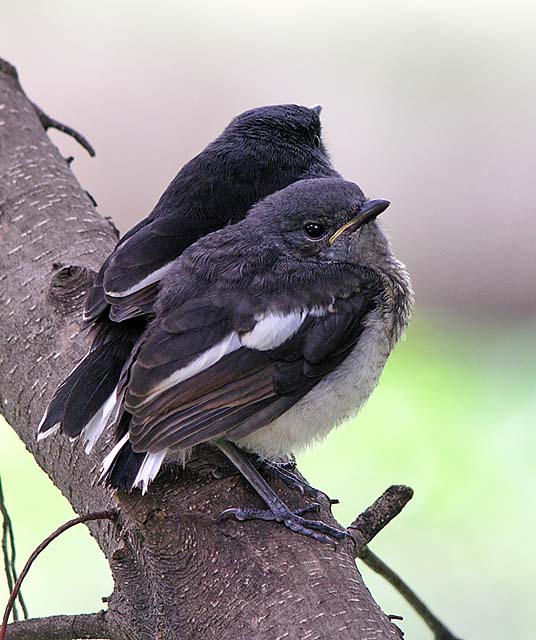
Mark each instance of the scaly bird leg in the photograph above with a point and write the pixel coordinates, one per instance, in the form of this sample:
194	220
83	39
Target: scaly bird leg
277	510
283	471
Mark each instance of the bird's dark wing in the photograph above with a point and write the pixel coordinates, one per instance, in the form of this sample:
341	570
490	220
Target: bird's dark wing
127	283
96	303
197	377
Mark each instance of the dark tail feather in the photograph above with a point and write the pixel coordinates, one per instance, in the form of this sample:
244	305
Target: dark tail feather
54	414
94	383
87	390
122	464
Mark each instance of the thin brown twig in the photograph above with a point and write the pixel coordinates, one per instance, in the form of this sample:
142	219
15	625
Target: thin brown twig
435	625
366	526
10	554
50	123
99	515
45	119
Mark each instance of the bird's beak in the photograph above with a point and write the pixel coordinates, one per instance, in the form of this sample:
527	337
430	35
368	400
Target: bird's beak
368	212
317	108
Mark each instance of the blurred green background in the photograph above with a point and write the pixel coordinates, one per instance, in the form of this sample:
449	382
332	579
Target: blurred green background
430	104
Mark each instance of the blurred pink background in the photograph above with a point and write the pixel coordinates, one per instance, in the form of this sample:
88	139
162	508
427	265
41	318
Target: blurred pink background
428	104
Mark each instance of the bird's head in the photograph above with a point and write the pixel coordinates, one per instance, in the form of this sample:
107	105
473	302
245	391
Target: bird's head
282	135
325	219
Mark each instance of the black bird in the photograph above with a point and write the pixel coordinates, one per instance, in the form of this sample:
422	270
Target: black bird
267	334
260	152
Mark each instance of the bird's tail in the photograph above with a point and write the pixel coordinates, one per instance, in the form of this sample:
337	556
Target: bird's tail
123	468
83	403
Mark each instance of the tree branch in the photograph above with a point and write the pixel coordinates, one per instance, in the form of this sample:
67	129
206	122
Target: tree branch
89	625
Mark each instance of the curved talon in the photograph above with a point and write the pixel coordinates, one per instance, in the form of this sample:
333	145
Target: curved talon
218	473
321	526
229	513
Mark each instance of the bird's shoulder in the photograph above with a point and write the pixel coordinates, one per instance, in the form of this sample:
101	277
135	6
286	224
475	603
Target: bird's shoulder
253	279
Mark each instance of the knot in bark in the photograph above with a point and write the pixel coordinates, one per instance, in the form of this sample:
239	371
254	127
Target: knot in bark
68	287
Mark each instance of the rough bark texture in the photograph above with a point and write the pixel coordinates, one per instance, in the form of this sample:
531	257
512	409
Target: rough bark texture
178	573
89	625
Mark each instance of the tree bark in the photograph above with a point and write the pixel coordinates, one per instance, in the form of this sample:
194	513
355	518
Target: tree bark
178	573
85	625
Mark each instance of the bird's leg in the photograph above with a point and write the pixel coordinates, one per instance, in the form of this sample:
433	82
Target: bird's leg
227	469
283	471
279	470
277	510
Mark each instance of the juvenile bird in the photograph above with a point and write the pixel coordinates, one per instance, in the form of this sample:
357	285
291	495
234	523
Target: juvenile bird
260	152
267	334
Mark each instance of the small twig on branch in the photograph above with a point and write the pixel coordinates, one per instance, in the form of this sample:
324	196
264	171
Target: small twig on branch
366	526
87	625
99	515
9	69
112	224
50	123
436	626
45	119
9	553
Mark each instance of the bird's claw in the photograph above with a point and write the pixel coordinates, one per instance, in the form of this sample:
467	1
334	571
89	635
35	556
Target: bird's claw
293	520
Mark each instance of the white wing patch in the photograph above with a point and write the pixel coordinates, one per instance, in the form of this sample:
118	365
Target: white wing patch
272	330
153	277
230	343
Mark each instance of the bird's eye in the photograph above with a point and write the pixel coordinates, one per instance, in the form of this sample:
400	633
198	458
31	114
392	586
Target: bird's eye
314	230
316	141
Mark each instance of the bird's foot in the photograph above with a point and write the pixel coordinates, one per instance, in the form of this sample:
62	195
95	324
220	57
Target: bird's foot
293	520
287	465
